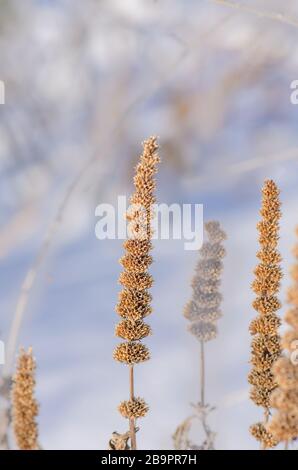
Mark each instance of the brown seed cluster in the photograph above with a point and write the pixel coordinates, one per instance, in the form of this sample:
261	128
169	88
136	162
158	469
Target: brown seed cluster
284	423
131	353
265	348
203	310
136	408
260	433
134	300
24	405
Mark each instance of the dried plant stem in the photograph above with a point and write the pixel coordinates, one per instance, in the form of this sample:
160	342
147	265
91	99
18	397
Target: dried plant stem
270	15
265	345
203	382
132	419
134	299
203	311
202	373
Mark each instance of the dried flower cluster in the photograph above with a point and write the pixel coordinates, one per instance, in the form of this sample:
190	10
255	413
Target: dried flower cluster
260	433
134	299
203	310
265	348
284	423
133	409
119	441
24	405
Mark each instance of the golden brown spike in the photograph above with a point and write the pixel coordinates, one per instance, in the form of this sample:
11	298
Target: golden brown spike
284	423
265	347
134	300
24	405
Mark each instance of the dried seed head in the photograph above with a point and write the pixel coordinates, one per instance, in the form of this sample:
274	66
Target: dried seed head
136	408
286	373
266	304
265	346
292	297
260	395
131	353
134	300
134	304
138	248
291	317
209	269
24	405
260	433
284	425
265	325
265	349
137	281
203	331
285	400
132	330
193	312
203	310
215	233
135	264
269	256
262	379
289	339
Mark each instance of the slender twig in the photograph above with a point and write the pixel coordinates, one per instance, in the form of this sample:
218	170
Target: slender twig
132	420
202	374
202	360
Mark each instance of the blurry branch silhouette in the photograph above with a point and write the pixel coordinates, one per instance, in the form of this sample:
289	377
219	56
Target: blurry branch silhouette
249	165
270	15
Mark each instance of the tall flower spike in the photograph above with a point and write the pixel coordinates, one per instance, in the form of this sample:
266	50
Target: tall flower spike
265	346
284	423
134	299
24	405
203	312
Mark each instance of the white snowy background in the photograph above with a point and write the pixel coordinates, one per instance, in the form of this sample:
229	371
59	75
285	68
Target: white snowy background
85	83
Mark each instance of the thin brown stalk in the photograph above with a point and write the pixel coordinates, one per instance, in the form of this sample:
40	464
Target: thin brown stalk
132	426
203	312
202	360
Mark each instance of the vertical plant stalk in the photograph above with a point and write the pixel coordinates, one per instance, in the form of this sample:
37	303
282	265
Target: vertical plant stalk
24	404
202	373
132	427
284	423
203	312
135	300
265	346
5	413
